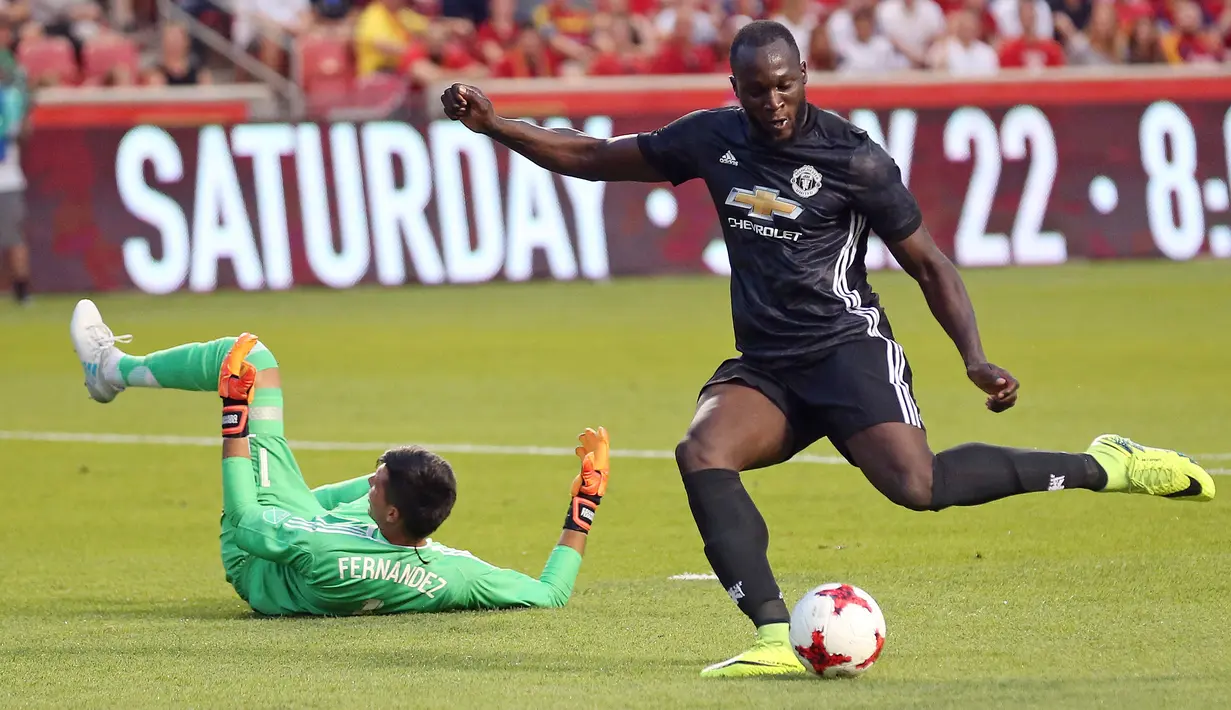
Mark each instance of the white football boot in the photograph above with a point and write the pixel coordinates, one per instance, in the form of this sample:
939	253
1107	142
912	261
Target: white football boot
95	346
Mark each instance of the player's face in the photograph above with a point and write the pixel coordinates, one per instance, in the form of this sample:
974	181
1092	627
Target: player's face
378	503
769	83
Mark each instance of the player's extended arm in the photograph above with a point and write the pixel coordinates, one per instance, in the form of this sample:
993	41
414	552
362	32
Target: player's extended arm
950	304
563	151
498	588
331	495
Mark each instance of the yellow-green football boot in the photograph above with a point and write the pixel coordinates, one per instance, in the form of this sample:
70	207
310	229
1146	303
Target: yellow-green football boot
771	655
1133	468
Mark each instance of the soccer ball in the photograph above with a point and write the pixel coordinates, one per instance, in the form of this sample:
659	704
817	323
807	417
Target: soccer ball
837	630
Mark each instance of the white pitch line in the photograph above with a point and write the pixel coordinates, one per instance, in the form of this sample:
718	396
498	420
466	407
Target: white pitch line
478	449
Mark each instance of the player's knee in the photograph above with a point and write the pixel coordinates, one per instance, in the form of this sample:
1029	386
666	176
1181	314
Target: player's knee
262	358
912	488
694	454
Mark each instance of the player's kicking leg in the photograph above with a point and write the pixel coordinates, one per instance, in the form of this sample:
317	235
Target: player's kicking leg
895	457
737	428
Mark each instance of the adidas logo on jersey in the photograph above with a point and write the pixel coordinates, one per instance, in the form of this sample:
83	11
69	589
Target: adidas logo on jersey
728	159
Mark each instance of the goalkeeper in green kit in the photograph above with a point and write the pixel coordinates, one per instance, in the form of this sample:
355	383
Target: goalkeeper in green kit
359	546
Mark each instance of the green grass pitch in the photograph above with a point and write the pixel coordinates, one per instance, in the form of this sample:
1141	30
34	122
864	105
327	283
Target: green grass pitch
113	594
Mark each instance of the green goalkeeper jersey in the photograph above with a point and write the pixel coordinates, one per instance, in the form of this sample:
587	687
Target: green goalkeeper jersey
338	563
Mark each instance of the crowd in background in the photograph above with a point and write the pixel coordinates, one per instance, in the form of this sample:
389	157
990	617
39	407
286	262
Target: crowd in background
423	40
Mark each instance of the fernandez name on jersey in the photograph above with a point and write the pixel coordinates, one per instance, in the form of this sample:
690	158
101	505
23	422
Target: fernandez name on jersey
795	216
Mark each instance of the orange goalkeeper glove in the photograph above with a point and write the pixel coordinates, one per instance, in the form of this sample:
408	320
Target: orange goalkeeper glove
235	387
591	484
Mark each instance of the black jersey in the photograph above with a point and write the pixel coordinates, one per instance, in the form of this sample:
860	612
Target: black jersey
796	218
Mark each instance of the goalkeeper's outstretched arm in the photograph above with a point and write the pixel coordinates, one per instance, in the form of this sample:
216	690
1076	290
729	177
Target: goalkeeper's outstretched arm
497	588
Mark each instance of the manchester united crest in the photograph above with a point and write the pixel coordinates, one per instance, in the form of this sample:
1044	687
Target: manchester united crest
806	181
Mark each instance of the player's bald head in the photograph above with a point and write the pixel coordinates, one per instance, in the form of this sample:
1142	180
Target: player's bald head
759	38
768	78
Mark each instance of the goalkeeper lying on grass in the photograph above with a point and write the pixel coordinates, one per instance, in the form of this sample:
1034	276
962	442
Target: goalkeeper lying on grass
359	546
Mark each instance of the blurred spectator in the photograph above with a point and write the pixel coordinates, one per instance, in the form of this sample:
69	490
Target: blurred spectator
620	48
962	53
14	13
680	52
264	27
641	20
499	33
820	52
739	13
1129	11
332	17
1190	41
474	12
1100	43
987	21
14	129
384	32
1078	12
1009	23
1144	46
912	26
110	59
177	65
440	56
868	52
704	30
1222	22
841	23
566	28
1032	49
527	57
76	20
800	18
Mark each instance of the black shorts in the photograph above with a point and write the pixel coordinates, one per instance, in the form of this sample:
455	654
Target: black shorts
850	388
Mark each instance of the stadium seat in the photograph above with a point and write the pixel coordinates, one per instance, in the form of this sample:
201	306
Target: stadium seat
48	60
325	63
100	58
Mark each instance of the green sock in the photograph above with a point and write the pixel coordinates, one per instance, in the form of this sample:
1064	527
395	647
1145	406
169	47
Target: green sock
194	367
779	633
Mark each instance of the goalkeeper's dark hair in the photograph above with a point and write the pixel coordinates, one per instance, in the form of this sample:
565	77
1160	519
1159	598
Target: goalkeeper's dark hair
421	486
761	33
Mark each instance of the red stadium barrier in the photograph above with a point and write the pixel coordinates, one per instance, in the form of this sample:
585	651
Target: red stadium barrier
277	205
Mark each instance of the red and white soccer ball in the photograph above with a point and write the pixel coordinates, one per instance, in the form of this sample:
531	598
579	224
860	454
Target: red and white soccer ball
837	630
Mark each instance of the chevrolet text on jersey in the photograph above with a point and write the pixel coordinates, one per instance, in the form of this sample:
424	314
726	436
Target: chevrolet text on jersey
795	217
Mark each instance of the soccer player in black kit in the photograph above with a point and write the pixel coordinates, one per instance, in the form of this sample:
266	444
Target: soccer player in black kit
798	190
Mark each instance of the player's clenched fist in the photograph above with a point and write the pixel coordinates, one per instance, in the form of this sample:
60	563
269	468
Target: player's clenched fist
997	383
467	104
591	484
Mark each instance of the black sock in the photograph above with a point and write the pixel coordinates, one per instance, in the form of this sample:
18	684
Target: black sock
736	543
973	474
21	290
